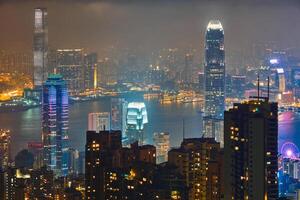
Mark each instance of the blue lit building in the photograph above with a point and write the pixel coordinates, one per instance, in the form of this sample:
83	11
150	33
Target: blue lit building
135	121
55	124
214	83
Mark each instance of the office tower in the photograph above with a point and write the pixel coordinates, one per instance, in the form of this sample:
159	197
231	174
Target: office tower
199	161
214	128
136	120
99	121
4	148
73	161
214	70
162	145
118	113
238	86
201	82
70	64
36	148
250	152
188	68
214	73
55	124
90	71
40	46
281	80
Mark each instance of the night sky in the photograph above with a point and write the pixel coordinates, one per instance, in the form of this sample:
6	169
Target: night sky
151	24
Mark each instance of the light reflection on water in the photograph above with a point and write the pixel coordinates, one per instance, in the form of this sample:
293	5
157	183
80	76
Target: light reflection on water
25	126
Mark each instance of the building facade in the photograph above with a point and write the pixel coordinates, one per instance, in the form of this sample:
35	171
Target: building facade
199	161
70	64
55	124
40	46
99	121
250	151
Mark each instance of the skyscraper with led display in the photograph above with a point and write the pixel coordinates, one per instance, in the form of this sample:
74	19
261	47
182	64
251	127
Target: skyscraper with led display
136	119
40	46
250	150
55	124
214	75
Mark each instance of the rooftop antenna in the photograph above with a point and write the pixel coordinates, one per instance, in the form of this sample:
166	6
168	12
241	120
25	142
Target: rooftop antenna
268	88
183	129
258	86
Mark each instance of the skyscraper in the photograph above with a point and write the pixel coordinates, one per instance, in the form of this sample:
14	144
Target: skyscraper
99	121
214	74
118	113
40	46
55	124
136	119
250	152
70	64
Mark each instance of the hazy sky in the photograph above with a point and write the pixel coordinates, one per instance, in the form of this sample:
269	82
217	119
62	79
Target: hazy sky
150	23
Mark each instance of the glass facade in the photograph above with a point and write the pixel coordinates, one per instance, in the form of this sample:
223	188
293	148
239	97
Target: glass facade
40	46
55	124
135	120
214	70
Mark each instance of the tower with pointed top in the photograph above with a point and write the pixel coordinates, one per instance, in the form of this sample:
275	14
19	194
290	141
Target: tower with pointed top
214	75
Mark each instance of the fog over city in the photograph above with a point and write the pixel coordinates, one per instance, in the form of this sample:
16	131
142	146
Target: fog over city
148	25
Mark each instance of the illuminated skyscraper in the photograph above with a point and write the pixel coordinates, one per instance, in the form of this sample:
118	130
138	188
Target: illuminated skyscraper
40	46
118	115
99	121
250	150
214	70
136	119
55	124
70	64
214	74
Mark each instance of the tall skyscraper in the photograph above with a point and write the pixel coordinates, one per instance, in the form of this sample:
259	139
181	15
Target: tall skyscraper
70	64
55	124
250	152
214	72
99	121
40	46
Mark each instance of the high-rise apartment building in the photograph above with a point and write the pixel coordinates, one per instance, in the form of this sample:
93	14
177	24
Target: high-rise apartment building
250	152
55	124
199	161
40	46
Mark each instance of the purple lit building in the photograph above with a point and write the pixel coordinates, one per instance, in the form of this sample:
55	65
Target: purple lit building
55	124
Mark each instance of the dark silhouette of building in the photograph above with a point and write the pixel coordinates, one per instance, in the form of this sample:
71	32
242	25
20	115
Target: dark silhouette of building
250	153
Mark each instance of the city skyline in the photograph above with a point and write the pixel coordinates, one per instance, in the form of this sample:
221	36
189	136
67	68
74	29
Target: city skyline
164	100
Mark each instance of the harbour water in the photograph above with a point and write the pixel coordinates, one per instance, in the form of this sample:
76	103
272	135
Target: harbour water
25	125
